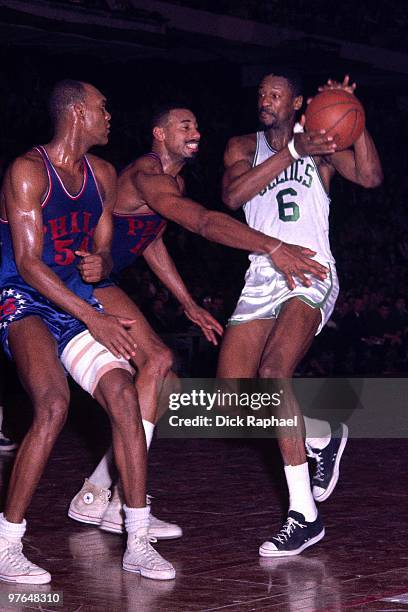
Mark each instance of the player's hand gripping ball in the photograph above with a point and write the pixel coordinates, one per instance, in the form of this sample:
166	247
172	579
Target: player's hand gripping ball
338	112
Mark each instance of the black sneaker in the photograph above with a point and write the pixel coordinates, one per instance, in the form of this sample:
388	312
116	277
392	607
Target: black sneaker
326	471
295	535
6	444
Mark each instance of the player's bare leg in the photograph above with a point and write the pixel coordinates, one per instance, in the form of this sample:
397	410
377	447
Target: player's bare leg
116	393
290	338
154	381
153	359
287	344
35	353
242	348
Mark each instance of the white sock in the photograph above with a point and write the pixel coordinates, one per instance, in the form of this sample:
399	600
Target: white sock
101	476
148	429
300	494
136	518
318	433
12	531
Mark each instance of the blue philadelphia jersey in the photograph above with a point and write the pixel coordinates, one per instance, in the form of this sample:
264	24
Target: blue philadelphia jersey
69	222
132	234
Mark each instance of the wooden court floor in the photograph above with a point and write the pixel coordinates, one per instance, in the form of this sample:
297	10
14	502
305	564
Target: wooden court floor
229	496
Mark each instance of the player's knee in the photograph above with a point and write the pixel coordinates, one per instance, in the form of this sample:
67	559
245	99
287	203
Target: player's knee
277	370
51	410
160	362
124	406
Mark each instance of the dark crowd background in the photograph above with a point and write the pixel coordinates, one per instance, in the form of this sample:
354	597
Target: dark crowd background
368	333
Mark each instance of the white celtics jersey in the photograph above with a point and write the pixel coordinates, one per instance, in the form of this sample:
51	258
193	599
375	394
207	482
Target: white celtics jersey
294	207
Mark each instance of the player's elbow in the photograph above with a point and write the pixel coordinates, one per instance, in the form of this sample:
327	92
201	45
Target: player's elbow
372	179
230	199
26	268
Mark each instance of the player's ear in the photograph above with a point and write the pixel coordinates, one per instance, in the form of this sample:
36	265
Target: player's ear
158	133
79	110
297	104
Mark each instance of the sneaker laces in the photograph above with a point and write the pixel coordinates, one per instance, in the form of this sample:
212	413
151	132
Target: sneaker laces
14	555
319	475
318	457
105	495
287	530
142	544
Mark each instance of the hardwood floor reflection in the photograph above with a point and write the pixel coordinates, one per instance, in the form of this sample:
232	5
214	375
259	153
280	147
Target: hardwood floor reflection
228	496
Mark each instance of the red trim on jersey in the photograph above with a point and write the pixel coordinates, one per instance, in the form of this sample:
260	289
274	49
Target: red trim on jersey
84	180
42	152
94	178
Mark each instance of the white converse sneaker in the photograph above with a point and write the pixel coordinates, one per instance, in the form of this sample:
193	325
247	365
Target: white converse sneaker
15	567
140	557
89	504
161	530
113	520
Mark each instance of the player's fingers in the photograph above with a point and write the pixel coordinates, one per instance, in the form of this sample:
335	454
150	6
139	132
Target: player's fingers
315	267
306	251
218	328
213	324
82	253
126	322
114	347
127	344
312	134
303	279
303	120
209	334
289	280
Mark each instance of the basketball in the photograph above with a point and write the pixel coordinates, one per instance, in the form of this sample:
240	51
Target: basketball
339	113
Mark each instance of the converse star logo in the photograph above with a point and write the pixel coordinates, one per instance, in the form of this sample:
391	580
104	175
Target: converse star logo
88	498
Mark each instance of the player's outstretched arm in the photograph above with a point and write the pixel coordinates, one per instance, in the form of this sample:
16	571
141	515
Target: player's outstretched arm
159	261
162	193
24	186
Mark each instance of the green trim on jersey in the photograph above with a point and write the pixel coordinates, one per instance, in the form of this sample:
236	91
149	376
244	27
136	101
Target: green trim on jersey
256	151
267	143
320	178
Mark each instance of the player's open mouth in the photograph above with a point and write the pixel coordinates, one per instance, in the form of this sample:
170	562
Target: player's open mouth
192	146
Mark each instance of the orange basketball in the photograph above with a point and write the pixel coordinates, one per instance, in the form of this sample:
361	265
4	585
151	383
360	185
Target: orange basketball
339	113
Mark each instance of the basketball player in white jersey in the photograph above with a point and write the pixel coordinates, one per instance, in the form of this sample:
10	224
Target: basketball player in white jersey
281	176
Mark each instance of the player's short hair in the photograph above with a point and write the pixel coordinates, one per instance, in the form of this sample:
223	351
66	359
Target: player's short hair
161	113
292	76
64	94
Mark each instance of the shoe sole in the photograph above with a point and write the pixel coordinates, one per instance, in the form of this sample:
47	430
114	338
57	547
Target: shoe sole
112	528
336	470
148	573
41	579
82	518
165	537
291	553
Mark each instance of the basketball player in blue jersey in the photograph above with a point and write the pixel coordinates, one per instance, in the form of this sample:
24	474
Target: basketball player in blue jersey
150	189
55	201
281	176
135	235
